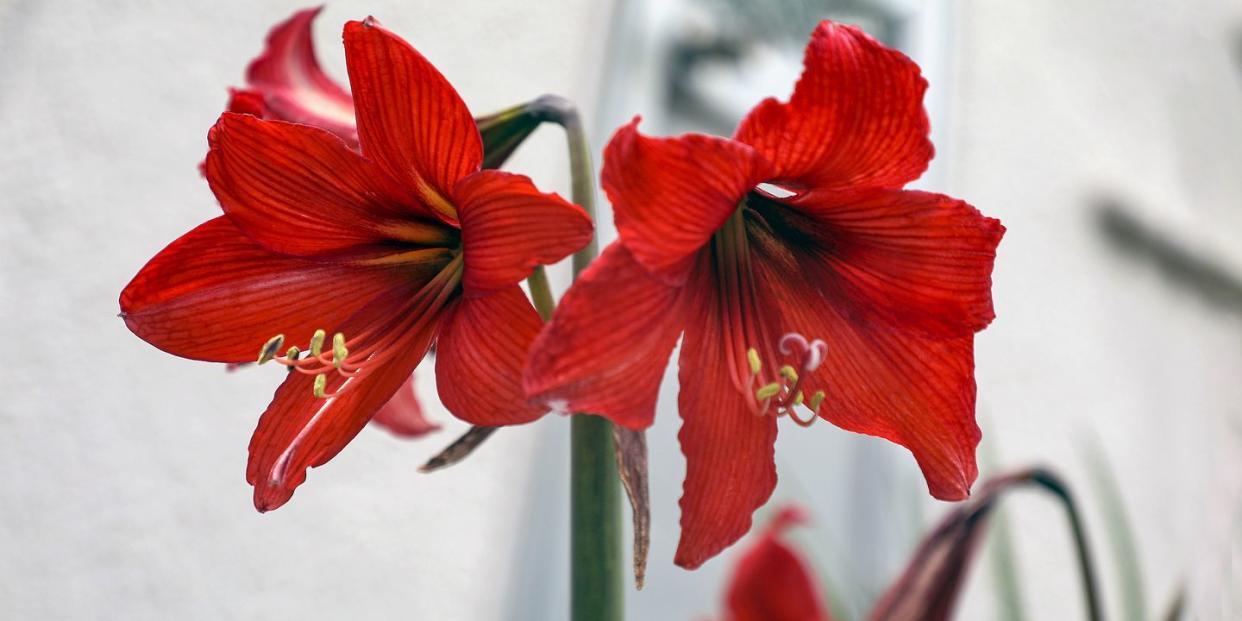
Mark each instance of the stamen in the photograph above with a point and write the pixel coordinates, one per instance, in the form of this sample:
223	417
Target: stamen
321	385
339	351
789	373
316	343
783	396
271	348
817	400
767	392
752	356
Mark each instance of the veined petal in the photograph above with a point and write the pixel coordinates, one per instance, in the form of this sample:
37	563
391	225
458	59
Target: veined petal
298	190
670	194
479	358
403	415
300	431
772	582
608	343
855	119
244	101
216	295
914	261
293	87
914	390
410	119
508	227
730	468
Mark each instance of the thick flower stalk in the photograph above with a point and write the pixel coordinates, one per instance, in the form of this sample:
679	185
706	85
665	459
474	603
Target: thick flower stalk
802	279
346	265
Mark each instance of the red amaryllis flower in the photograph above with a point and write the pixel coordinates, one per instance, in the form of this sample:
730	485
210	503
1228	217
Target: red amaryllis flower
771	581
797	226
387	250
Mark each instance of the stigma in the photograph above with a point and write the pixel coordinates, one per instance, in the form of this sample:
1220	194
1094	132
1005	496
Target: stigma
787	394
315	360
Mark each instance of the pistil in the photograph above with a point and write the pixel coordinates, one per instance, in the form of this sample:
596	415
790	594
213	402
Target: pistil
782	397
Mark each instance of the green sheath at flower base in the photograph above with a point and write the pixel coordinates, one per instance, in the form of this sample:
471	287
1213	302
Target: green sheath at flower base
271	348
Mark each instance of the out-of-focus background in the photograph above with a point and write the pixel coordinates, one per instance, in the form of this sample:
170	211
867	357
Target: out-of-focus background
1105	134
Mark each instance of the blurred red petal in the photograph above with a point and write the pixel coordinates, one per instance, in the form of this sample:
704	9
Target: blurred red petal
855	119
292	86
772	582
403	415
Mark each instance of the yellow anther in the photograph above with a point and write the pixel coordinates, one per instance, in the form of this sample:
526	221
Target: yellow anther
752	357
339	352
293	353
316	344
789	373
798	398
767	392
271	348
816	400
321	385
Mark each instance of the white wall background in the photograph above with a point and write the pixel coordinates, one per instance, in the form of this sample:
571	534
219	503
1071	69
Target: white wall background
121	469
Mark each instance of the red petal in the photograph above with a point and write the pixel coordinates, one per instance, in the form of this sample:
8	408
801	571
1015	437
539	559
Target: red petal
772	582
479	358
913	260
299	190
508	227
670	194
403	416
300	431
248	102
608	343
856	116
882	381
730	470
410	119
216	295
293	87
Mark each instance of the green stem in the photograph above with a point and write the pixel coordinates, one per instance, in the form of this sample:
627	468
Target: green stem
1052	483
596	578
541	293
